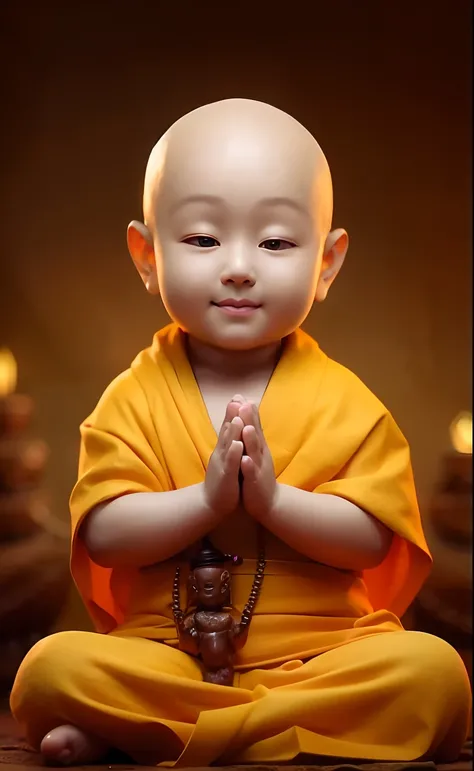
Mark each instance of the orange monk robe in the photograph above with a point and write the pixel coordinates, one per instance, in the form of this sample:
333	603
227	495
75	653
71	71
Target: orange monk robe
327	433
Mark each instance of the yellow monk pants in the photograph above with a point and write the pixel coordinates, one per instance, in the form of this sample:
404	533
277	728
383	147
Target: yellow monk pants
391	696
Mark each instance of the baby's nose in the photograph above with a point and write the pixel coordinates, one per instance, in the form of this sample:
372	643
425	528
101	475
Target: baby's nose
238	279
238	268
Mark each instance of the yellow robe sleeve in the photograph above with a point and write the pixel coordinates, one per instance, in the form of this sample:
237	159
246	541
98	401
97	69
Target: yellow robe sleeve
119	455
378	478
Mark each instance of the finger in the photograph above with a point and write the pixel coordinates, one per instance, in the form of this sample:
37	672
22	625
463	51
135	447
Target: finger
248	468
246	414
222	433
239	399
257	422
236	425
234	457
232	431
256	414
235	431
252	444
232	410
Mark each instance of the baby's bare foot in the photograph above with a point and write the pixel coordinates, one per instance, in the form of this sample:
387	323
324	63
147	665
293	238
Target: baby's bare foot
67	745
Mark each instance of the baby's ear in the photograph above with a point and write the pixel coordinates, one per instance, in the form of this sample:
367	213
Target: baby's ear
335	250
140	246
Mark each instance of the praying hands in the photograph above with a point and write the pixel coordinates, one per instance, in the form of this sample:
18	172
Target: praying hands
258	488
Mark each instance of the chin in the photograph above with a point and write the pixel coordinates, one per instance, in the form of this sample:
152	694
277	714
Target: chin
239	343
231	338
249	341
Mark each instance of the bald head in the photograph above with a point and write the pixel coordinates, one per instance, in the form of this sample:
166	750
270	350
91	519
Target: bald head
237	203
255	148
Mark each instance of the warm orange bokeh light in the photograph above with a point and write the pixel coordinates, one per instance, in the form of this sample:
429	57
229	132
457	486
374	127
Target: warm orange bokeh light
8	372
461	433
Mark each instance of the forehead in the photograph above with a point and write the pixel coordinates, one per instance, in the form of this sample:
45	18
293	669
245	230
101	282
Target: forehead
237	170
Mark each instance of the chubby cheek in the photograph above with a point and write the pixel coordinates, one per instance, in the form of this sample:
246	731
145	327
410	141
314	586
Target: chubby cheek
293	290
183	290
291	309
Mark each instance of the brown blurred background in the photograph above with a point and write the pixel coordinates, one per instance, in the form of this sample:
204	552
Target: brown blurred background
384	86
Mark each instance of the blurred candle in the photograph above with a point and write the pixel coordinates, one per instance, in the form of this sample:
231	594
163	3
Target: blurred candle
8	372
461	433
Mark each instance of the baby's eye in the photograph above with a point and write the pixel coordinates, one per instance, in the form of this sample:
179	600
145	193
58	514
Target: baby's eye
276	244
204	242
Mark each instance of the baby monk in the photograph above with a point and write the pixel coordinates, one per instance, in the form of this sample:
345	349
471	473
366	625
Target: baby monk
235	425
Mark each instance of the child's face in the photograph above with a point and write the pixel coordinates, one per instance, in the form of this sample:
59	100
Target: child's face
239	215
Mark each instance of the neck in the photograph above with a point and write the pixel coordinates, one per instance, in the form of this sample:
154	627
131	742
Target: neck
228	364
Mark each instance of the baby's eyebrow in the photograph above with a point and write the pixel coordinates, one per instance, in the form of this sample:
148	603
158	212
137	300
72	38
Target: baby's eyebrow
215	200
284	201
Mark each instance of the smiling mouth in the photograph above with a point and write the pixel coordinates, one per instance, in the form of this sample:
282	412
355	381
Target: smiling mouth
237	307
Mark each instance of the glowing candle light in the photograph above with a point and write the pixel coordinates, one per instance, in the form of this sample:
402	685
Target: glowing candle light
8	372
461	433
